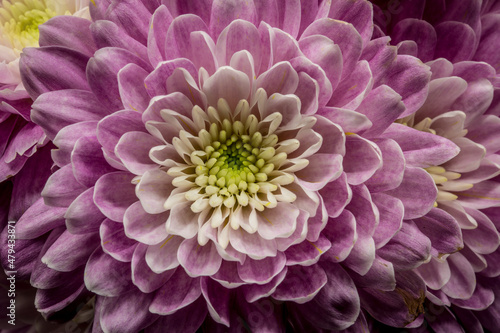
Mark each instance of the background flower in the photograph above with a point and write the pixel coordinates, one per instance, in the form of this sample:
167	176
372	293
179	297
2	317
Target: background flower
19	20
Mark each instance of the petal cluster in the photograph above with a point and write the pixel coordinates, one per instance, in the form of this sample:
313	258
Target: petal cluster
19	21
210	160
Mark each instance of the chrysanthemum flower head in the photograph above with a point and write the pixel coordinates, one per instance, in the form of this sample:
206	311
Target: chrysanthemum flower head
231	152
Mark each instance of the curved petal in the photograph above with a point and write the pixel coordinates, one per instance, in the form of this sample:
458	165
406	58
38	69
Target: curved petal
301	284
143	227
180	291
114	193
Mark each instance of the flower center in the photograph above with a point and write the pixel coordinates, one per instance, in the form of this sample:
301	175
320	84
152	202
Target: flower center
235	165
19	21
235	162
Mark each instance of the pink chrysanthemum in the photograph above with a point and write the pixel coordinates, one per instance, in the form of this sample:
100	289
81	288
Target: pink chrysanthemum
218	157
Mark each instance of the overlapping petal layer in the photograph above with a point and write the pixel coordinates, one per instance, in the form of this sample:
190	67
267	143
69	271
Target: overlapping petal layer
236	153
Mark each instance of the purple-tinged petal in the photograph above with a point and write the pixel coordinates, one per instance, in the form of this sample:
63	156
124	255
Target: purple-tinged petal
223	13
114	241
436	273
486	50
182	81
160	22
261	271
204	54
410	78
352	90
58	109
66	138
38	220
114	193
133	151
180	291
143	227
116	312
44	277
486	131
463	279
83	216
281	78
60	32
175	101
359	14
399	307
348	120
187	319
344	35
182	220
252	244
50	301
254	292
111	128
163	256
27	252
229	84
443	93
131	86
62	188
132	16
485	238
304	65
52	68
279	222
198	260
391	174
468	159
325	53
421	149
307	252
88	161
477	261
156	85
341	232
408	249
106	276
419	31
337	304
107	34
230	42
417	192
59	258
445	321
362	159
336	195
218	300
102	74
455	41
391	212
481	299
380	276
321	170
443	231
493	267
301	284
362	255
227	275
382	106
364	210
177	42
468	320
483	195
